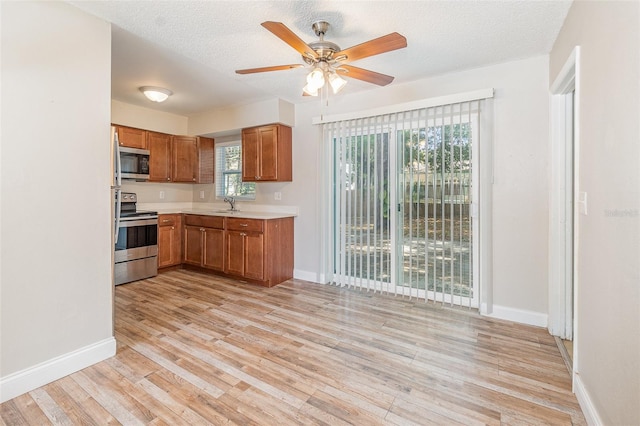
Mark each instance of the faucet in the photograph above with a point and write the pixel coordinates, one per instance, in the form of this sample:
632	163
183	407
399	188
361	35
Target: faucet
232	203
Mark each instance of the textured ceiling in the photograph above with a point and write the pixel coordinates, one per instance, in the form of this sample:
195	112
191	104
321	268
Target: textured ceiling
194	47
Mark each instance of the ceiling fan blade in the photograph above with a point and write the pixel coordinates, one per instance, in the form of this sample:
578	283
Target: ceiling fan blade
376	46
289	37
365	75
267	69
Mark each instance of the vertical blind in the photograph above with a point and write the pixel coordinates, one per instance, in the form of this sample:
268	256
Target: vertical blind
403	202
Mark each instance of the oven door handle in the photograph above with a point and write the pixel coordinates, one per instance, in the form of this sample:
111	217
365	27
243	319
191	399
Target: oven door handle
138	222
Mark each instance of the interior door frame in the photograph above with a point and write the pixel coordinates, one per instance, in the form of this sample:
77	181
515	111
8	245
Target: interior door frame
563	203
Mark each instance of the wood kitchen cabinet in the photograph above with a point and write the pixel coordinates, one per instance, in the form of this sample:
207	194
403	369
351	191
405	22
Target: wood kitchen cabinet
131	137
159	156
266	154
204	241
245	248
256	250
169	240
192	159
260	250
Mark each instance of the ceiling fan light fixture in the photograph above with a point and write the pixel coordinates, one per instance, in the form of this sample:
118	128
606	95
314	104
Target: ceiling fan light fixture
311	91
156	94
336	82
315	79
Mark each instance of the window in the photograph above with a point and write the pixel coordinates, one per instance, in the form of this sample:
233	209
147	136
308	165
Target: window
229	173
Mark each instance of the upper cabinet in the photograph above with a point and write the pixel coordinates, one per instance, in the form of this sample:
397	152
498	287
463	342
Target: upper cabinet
266	154
172	158
192	159
132	138
159	156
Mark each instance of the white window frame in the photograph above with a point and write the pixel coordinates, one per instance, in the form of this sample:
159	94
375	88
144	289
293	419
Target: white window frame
220	172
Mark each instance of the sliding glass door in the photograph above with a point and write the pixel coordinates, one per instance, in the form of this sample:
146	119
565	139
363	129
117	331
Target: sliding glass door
404	201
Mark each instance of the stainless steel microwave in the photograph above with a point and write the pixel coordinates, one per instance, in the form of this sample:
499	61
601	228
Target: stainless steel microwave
134	163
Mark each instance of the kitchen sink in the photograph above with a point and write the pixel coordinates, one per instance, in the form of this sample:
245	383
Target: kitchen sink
227	211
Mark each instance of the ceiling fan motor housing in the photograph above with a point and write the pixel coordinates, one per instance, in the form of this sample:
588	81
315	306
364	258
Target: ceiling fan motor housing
324	49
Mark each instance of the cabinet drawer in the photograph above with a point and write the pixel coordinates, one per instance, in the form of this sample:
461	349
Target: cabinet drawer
168	220
239	224
205	221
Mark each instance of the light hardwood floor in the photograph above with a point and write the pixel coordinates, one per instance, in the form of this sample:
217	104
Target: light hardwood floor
195	349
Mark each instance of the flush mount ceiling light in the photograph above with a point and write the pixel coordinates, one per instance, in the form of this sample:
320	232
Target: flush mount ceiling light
156	94
327	60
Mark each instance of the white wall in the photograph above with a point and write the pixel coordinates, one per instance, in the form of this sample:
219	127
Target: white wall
148	119
521	108
55	279
225	121
608	302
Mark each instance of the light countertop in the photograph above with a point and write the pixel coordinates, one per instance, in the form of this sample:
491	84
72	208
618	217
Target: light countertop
227	213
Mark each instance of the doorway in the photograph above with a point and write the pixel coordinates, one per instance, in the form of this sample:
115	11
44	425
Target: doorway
563	231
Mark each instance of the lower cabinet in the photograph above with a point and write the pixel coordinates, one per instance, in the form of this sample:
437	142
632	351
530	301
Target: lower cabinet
245	254
257	250
169	240
260	250
204	241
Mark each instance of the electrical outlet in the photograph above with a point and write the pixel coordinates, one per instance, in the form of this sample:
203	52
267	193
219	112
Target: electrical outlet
162	195
202	195
277	196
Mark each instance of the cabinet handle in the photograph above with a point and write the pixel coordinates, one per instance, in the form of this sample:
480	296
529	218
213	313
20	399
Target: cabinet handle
244	224
172	228
201	229
166	220
242	234
257	177
168	178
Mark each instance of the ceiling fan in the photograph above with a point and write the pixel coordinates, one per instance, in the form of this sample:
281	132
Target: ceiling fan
327	61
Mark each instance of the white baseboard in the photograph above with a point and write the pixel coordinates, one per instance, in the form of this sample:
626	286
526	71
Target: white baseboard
522	316
588	409
307	276
46	372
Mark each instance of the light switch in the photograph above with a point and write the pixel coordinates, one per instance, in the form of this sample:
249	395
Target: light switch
277	196
162	195
582	203
202	195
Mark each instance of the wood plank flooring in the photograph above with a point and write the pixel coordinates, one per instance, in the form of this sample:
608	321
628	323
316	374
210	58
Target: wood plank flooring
195	349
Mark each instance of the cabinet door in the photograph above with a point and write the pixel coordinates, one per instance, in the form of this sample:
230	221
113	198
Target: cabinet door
169	246
132	138
165	241
184	159
254	256
176	241
193	245
159	157
234	255
213	249
206	160
250	155
268	153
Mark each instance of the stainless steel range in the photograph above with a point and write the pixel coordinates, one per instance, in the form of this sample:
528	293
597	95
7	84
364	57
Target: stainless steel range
136	241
